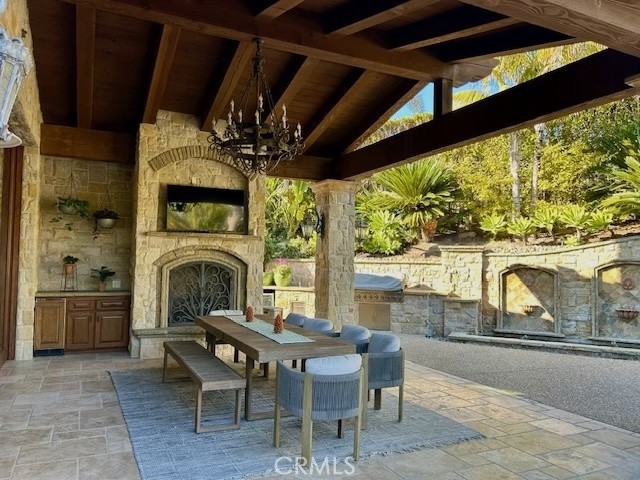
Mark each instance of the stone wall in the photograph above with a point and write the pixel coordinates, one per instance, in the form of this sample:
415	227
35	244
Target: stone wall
175	151
104	185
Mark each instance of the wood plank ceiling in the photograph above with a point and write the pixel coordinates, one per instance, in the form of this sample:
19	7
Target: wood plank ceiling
343	67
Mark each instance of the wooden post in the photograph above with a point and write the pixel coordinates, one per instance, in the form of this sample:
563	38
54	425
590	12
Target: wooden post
198	409
442	97
307	422
247	392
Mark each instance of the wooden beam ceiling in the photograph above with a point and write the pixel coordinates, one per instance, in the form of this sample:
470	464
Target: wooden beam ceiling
298	35
451	25
161	70
383	112
273	8
352	86
514	40
224	91
614	23
549	96
85	53
295	76
356	15
59	141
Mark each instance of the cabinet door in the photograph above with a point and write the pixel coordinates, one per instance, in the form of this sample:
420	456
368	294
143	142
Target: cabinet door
112	329
80	330
49	323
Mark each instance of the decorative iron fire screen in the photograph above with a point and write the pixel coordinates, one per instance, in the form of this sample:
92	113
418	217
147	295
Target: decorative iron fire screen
197	288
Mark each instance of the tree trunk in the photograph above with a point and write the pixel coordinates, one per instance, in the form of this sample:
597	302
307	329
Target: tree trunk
537	158
514	166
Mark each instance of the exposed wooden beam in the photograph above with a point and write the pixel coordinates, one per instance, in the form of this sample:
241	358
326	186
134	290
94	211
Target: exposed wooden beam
356	15
85	52
60	141
549	96
306	167
383	112
615	23
514	40
453	24
442	97
295	76
633	81
224	91
352	86
274	8
298	34
161	69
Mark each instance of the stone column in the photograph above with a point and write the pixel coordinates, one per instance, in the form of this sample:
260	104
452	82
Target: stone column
335	251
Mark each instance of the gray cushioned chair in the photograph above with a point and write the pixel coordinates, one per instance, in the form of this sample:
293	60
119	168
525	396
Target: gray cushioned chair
318	325
357	335
331	389
385	365
296	319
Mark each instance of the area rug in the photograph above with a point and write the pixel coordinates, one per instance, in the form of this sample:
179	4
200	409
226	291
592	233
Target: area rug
160	420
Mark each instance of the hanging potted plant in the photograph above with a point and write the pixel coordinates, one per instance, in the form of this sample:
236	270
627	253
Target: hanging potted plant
103	274
105	218
73	206
69	264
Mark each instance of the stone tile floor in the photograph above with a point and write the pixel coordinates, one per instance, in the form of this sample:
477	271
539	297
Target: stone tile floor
60	419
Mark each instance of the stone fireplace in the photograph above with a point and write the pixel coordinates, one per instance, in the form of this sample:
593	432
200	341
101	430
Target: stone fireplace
176	275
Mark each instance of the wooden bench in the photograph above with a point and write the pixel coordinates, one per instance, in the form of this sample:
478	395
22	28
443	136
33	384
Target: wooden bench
209	373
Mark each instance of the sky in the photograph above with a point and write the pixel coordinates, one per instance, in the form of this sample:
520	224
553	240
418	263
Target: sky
427	98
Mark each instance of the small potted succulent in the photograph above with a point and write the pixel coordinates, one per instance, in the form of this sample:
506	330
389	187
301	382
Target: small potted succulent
103	274
283	274
73	206
70	264
105	218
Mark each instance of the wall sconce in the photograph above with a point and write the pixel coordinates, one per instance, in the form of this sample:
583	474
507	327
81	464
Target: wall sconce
362	229
14	64
313	222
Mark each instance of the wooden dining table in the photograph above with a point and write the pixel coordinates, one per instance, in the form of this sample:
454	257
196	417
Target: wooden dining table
258	348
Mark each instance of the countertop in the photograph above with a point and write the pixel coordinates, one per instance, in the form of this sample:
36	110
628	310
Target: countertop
82	293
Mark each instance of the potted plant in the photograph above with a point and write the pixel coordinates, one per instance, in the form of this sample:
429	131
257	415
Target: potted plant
73	206
105	218
282	274
103	273
70	264
267	278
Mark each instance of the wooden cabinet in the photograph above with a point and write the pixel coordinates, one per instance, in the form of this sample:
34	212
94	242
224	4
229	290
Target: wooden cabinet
97	322
49	324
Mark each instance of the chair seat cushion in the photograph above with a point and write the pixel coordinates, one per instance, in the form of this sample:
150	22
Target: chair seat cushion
318	324
354	333
339	365
383	342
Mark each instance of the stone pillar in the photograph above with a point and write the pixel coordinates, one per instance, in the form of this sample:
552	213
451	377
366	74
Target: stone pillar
335	251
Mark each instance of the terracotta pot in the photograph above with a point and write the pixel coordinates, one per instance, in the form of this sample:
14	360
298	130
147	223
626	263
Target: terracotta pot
102	286
624	314
69	268
106	223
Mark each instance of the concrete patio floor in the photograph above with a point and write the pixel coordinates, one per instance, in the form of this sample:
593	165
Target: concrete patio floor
59	418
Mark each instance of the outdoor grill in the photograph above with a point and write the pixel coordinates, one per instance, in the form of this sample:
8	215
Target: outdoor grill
374	295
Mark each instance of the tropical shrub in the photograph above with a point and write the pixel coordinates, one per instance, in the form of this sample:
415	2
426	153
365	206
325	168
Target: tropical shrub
417	192
386	234
600	220
546	217
521	227
626	181
576	217
494	224
572	241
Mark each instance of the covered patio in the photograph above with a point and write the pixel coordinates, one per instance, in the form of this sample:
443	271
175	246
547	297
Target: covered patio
118	109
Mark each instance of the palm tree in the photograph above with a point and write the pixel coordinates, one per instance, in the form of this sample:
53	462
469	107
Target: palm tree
418	192
513	70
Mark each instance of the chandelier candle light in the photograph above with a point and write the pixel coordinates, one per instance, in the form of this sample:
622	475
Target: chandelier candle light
257	146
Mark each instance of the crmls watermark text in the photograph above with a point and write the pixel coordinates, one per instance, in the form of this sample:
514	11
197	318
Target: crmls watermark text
328	465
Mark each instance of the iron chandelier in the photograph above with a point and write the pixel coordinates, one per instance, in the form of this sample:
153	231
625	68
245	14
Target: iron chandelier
257	145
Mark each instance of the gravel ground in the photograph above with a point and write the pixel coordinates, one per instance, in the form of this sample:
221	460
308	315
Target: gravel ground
603	389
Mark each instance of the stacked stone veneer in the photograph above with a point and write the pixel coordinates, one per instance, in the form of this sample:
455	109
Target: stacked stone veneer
103	185
578	289
175	151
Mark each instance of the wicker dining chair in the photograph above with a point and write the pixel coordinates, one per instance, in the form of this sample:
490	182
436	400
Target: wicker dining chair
357	335
385	365
331	389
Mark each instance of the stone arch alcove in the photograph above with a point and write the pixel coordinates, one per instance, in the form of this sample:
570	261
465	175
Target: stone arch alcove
529	300
617	305
178	154
194	281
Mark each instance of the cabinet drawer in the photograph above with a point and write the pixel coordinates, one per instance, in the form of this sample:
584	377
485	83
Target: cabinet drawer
80	304
117	303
